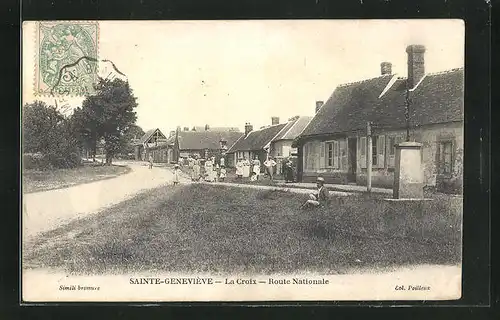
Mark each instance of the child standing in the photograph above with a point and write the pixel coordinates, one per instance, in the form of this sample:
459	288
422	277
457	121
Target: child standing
150	161
177	173
222	173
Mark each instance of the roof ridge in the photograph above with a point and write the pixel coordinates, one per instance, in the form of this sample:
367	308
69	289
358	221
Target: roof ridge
268	126
294	122
361	81
444	71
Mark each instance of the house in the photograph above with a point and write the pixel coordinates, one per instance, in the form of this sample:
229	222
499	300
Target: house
204	143
257	142
143	147
333	144
281	146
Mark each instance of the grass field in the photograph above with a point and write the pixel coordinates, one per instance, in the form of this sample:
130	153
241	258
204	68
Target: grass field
216	229
38	180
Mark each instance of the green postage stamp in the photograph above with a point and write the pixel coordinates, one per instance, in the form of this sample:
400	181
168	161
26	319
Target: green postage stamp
66	60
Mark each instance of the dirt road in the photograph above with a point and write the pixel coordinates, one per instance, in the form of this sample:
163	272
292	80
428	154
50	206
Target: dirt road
43	211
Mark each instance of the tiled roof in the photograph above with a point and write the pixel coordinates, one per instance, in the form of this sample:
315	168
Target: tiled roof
437	99
225	129
194	140
348	107
293	129
257	139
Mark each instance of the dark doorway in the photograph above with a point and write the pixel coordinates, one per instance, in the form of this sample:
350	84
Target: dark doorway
352	161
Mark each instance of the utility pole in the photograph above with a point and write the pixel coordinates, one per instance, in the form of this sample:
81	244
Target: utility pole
407	112
369	156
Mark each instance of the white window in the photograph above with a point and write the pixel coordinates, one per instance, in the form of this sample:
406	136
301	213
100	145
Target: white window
378	151
332	154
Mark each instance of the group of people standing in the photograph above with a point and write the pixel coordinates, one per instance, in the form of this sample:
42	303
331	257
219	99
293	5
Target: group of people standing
209	170
246	168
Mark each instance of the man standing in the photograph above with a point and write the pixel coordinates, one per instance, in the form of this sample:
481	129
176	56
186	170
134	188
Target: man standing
269	164
320	198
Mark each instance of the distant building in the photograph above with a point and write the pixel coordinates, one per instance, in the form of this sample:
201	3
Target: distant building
274	140
151	139
204	143
333	144
281	145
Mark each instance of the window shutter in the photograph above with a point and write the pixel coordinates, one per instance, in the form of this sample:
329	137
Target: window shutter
438	157
336	154
322	161
343	154
362	152
391	157
381	151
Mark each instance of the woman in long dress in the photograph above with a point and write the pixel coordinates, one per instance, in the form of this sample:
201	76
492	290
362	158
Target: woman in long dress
208	170
215	167
246	168
288	171
239	169
256	167
196	170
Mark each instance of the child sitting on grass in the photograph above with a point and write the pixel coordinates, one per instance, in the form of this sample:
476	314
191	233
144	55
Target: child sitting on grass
253	177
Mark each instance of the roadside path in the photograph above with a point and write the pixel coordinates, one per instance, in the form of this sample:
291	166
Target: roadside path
280	187
336	187
46	210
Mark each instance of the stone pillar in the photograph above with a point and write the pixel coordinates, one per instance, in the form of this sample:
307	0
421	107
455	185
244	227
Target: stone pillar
408	176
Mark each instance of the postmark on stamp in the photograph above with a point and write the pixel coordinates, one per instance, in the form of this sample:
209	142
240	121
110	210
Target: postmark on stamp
66	60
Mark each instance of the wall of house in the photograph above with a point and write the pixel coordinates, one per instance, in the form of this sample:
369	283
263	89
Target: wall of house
314	158
282	148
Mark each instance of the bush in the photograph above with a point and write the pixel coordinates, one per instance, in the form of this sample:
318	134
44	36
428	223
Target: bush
48	138
450	186
35	161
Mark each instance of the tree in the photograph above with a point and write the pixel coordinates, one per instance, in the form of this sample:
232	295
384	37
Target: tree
134	132
108	114
40	124
47	132
86	129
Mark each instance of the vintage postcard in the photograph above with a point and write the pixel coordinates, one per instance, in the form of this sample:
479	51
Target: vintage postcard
257	160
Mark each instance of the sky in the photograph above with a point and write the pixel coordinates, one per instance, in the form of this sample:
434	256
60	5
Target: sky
227	73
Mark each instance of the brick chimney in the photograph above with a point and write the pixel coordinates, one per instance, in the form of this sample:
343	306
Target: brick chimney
319	104
248	128
275	120
207	127
386	68
416	65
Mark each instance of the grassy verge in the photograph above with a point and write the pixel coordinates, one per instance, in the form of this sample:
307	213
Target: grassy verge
35	180
216	229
